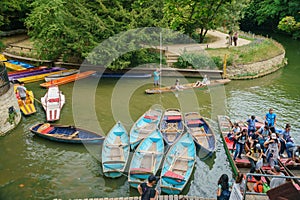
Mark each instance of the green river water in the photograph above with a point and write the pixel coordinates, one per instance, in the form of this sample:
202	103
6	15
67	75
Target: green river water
35	168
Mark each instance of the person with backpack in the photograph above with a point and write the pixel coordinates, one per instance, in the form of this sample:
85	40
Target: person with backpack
147	190
272	145
223	192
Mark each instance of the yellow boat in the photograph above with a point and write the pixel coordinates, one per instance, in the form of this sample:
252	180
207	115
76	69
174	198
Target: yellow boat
2	58
39	77
29	107
14	67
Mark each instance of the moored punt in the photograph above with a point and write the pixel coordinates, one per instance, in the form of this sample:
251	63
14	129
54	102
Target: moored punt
22	64
123	75
115	151
146	159
2	58
145	125
171	125
185	86
28	108
68	79
26	70
52	102
38	77
61	75
201	131
28	73
178	165
13	66
66	134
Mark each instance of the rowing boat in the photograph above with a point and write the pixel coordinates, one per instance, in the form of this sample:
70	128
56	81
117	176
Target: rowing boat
53	102
22	64
115	151
28	108
2	58
171	125
145	125
38	77
66	134
186	86
146	159
61	75
178	165
35	72
13	66
201	131
26	70
68	79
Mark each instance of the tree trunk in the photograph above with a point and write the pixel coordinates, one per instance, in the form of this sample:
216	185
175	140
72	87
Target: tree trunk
202	35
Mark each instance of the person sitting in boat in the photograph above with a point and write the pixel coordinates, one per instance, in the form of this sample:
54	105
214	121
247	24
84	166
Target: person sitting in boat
147	190
177	85
285	139
233	133
276	181
22	91
255	157
258	185
251	125
205	81
293	154
264	134
272	153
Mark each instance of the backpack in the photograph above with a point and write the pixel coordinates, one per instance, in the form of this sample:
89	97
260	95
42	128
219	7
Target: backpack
265	187
225	195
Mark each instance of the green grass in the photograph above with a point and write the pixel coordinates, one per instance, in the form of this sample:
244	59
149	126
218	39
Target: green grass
258	50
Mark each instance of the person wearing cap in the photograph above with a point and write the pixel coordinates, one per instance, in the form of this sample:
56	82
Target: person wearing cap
255	156
147	190
272	145
276	181
270	118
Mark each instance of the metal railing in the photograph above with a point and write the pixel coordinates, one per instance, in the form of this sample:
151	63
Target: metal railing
264	175
4	81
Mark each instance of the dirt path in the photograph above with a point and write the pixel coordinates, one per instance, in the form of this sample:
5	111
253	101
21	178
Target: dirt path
222	42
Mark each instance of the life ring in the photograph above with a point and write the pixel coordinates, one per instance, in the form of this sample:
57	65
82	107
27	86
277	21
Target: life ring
43	127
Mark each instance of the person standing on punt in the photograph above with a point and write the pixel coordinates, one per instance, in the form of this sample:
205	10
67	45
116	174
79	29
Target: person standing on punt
147	190
271	119
156	76
21	89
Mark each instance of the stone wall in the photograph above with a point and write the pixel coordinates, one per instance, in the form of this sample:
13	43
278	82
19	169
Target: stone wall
7	100
258	69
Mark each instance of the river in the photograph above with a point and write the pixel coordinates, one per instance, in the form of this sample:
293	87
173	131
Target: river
34	168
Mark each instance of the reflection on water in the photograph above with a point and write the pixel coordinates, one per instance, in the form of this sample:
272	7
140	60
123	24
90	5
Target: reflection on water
35	168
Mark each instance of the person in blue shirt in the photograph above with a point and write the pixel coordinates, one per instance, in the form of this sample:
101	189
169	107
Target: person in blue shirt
251	125
271	119
156	75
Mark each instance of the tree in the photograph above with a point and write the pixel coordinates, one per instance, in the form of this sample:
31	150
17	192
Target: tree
290	25
189	15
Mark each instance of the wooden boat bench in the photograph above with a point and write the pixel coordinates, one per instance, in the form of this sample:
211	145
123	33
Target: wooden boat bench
150	152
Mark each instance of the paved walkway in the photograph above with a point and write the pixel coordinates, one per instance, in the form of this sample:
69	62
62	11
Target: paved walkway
220	43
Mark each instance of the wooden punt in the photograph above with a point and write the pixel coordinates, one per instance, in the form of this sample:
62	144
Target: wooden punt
145	125
66	134
115	151
171	125
146	159
185	87
13	66
201	131
178	165
61	75
39	77
26	70
68	79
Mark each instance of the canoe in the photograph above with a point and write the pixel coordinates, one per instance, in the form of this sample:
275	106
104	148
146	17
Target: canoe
178	165
68	79
66	134
61	75
185	87
115	151
13	66
201	131
26	70
38	77
2	58
171	125
25	73
145	125
52	102
29	107
146	159
22	64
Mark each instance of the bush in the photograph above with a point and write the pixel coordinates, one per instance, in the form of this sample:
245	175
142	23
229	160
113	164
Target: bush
198	61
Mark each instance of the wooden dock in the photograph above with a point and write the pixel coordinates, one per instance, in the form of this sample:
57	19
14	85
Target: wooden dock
160	197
